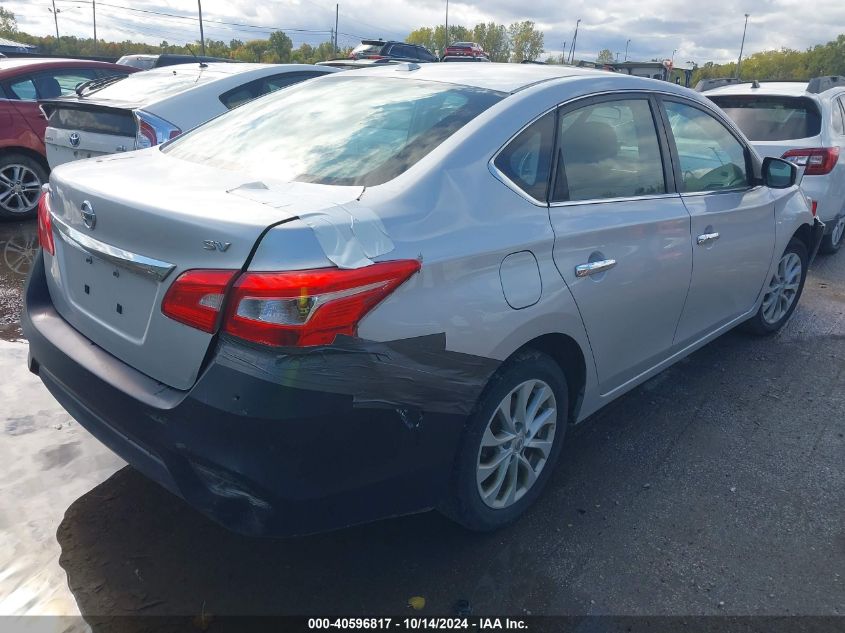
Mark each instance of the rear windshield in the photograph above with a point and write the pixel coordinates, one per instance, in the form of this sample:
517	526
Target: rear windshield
155	84
117	122
772	118
367	49
336	130
144	63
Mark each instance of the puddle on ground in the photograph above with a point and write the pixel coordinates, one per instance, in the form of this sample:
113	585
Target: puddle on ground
49	461
18	246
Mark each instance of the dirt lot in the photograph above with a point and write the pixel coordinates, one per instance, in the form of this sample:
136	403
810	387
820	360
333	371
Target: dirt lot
716	488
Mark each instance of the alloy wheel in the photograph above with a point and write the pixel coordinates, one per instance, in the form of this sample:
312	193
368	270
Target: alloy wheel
783	288
516	444
19	188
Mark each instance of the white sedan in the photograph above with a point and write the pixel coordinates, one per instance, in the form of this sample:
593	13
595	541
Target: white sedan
111	115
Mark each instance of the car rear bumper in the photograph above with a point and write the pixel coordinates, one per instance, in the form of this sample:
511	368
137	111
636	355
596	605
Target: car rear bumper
255	456
817	234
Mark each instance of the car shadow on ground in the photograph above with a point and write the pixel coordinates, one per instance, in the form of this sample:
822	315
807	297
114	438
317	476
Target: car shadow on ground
692	494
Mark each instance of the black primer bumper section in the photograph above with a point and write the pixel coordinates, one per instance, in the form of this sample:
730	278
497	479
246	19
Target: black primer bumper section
416	374
268	443
817	235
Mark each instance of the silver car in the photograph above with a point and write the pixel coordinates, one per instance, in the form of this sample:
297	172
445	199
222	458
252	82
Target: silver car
380	292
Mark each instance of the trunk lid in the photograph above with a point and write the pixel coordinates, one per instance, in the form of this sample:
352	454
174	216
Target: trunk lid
77	130
155	217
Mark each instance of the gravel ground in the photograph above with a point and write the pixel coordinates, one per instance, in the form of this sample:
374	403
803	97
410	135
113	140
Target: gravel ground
718	487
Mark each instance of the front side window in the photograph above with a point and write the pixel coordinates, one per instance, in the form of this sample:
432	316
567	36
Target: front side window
526	160
711	158
608	150
340	130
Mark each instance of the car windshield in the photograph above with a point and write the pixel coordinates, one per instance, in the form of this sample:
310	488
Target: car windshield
144	63
337	130
772	118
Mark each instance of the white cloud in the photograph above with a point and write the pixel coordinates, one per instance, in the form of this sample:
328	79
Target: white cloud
655	27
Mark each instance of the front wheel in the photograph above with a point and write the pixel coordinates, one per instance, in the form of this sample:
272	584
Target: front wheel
832	242
510	444
783	290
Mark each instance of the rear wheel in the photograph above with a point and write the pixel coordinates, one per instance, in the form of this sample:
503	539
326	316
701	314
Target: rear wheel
511	443
832	242
21	178
783	290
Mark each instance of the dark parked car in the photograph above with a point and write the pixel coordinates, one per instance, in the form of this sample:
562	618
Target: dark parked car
379	49
23	159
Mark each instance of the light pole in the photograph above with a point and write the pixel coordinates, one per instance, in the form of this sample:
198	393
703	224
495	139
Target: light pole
742	46
446	34
94	8
626	49
675	50
202	35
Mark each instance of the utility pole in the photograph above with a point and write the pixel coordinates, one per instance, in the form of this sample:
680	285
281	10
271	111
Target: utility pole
94	7
563	54
574	40
336	16
56	19
202	35
742	46
626	49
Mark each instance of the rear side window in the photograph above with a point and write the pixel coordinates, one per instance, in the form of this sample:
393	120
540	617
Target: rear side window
710	157
608	150
23	89
772	118
259	87
839	116
526	160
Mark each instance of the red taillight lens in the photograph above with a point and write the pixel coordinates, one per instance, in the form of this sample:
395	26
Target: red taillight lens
817	161
146	135
310	307
45	224
195	298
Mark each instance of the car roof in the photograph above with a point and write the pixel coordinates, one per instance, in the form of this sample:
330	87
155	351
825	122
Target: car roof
14	63
492	76
784	88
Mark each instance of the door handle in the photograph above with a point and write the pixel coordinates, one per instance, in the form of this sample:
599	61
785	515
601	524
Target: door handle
704	238
593	268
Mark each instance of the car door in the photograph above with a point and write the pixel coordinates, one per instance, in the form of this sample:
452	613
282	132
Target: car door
622	235
733	223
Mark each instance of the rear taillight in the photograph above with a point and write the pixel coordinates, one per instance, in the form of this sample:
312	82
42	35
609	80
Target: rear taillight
153	130
817	161
309	307
195	298
45	223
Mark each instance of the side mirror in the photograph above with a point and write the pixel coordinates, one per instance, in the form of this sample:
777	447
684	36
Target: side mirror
779	173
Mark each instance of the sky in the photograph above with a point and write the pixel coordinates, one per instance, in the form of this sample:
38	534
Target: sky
656	28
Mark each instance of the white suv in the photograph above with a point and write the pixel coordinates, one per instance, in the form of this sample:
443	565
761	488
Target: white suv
803	122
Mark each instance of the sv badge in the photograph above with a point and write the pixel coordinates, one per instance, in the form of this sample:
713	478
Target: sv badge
214	245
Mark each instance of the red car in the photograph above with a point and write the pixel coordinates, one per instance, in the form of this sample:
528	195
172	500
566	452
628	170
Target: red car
23	162
464	49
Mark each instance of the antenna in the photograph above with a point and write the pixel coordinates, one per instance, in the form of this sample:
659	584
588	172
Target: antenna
191	51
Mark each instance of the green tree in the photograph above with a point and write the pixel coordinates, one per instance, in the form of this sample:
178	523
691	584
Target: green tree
281	45
423	36
494	39
525	40
605	56
8	23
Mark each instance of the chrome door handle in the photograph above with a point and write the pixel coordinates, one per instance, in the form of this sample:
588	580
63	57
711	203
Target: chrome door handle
704	238
593	268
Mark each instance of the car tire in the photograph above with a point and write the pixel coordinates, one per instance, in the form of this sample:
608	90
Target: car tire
535	379
832	242
21	178
783	291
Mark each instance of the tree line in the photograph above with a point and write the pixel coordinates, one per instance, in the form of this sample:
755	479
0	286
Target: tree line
514	43
783	64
